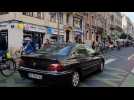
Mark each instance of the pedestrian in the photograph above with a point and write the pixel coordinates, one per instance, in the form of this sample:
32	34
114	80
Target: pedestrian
47	44
93	45
118	45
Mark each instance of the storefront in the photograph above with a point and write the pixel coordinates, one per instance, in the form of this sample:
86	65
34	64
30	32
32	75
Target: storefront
54	35
36	33
15	32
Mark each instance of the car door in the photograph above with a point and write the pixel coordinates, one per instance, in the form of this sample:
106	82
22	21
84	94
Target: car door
93	57
83	59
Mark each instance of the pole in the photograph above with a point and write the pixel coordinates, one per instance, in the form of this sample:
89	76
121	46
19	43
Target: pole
58	27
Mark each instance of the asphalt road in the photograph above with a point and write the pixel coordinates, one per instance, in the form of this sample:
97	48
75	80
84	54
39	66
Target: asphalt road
118	72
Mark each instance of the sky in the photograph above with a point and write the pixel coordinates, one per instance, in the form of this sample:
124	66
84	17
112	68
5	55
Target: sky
130	15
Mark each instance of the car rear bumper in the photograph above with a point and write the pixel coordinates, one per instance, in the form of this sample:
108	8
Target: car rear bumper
47	76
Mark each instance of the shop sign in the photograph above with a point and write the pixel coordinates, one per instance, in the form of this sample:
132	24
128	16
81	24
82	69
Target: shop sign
20	26
34	28
50	30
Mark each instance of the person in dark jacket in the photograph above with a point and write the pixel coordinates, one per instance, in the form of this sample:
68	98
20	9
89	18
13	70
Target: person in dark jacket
93	45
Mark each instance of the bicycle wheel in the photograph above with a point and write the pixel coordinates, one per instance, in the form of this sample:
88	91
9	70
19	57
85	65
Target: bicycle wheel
8	69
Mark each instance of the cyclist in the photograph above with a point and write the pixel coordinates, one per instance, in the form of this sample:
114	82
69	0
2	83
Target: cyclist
29	46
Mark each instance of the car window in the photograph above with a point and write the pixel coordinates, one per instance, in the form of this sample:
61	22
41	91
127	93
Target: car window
90	50
55	50
81	51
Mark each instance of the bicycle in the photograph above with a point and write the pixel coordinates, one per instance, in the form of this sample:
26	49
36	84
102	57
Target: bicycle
7	65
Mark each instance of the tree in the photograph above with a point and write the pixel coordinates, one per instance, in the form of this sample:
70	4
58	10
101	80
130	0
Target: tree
123	36
104	35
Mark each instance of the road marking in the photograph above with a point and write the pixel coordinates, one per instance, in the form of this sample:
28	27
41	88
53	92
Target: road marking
110	60
115	69
130	57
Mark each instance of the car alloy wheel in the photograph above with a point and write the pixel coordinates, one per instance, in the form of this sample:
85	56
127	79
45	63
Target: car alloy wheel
9	68
75	79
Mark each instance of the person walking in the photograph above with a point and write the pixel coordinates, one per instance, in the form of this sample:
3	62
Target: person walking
47	44
93	45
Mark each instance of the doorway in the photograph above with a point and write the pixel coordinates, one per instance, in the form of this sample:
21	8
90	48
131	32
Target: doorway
67	35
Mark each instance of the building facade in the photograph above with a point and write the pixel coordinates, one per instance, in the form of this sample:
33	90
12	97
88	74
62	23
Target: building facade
61	26
115	25
127	25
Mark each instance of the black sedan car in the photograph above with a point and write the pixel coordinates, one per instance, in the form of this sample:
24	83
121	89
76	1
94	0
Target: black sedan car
66	64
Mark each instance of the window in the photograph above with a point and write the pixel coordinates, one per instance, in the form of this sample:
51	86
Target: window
61	38
28	13
89	49
112	18
67	19
2	13
81	52
77	22
61	17
52	16
39	15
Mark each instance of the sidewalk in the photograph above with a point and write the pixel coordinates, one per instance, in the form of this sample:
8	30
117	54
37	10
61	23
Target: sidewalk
129	81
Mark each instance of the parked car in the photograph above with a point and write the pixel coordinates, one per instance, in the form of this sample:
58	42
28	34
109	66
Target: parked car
61	65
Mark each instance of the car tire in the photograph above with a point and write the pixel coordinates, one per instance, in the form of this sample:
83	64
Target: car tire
101	67
74	81
9	70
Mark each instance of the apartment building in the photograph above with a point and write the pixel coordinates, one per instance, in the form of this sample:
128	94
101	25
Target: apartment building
62	26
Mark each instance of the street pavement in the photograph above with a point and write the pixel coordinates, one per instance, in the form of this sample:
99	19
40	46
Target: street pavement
118	72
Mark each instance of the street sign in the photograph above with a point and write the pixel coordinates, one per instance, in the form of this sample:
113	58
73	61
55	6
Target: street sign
49	30
35	28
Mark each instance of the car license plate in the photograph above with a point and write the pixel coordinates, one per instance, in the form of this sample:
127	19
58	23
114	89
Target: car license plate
35	76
